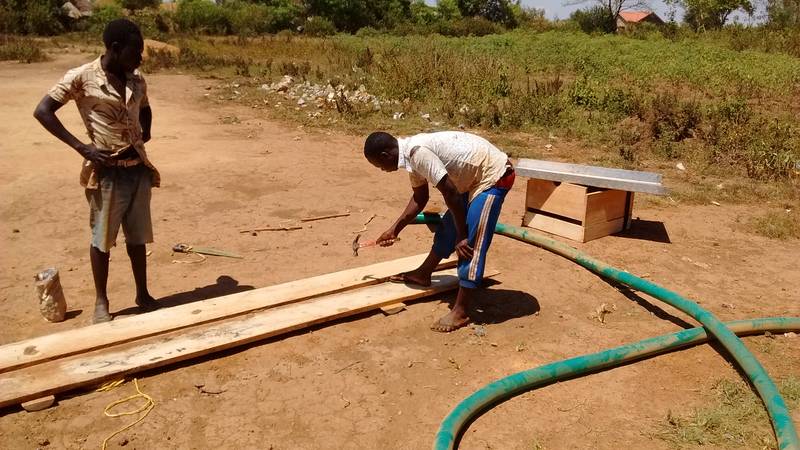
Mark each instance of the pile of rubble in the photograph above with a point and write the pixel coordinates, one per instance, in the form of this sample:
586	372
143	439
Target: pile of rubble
324	96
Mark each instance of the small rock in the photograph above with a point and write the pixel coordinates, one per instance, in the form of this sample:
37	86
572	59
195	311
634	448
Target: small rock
493	344
44	442
790	334
680	166
715	203
729	305
325	243
426	116
15	230
602	311
479	330
253	234
398	115
297	138
548	146
123	442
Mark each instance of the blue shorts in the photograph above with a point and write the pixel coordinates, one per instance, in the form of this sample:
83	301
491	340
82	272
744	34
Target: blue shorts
122	199
482	215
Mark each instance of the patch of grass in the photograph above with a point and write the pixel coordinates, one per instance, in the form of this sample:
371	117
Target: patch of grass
23	50
737	419
784	224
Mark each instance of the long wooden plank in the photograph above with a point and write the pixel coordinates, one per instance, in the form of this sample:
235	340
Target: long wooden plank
99	365
605	177
70	342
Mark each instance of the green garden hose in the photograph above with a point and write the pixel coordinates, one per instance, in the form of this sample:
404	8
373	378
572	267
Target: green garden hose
474	405
785	432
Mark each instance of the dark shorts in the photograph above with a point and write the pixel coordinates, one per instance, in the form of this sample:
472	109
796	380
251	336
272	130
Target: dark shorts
122	198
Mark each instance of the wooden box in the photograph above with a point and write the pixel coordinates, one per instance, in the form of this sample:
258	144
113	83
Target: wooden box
576	212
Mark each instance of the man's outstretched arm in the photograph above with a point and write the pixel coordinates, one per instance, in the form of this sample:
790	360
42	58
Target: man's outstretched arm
415	206
45	113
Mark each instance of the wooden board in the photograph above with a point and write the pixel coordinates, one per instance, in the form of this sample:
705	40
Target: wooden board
605	206
56	345
565	199
96	366
598	230
553	225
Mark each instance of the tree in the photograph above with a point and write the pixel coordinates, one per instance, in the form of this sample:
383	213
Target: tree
498	11
704	15
350	15
784	13
448	9
613	7
596	19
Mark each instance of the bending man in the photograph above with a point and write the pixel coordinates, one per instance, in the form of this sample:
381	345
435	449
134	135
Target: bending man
474	177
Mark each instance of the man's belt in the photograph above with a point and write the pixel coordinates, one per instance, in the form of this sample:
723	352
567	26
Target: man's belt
125	162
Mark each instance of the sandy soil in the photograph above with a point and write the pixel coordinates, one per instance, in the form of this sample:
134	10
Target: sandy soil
374	381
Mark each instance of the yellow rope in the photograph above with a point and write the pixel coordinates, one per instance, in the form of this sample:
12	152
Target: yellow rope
110	385
147	407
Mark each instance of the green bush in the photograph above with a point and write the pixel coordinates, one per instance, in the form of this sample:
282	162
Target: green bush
365	32
41	17
594	20
202	16
140	4
154	24
321	26
24	50
103	15
468	26
247	19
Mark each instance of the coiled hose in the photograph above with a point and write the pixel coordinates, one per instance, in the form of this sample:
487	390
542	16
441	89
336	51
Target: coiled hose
785	432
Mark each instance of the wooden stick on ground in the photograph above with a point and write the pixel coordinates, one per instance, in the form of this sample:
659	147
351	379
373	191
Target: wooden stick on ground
271	229
113	362
331	216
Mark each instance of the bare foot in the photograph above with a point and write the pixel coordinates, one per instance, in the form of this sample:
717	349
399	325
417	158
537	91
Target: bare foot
451	322
101	312
147	303
413	277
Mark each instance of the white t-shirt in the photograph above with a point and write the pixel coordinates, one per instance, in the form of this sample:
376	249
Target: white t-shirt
471	162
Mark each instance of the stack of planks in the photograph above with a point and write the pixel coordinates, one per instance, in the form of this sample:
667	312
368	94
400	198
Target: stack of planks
88	356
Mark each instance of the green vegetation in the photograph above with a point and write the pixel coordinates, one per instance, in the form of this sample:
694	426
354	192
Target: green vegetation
736	420
723	101
21	49
784	224
724	110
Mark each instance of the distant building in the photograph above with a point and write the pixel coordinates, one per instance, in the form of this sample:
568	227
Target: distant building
629	19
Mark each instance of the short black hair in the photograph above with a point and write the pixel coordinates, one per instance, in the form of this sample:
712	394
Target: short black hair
120	31
378	142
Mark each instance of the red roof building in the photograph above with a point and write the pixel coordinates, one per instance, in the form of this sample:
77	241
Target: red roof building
628	19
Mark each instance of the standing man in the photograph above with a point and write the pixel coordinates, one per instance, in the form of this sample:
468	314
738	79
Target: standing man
473	177
111	96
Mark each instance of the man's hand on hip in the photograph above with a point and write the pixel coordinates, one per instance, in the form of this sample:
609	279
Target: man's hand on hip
93	154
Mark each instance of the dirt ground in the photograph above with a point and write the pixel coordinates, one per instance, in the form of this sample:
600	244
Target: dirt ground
374	381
